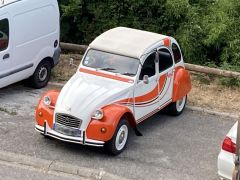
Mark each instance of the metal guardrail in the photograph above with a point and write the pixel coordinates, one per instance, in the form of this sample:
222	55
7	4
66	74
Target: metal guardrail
190	67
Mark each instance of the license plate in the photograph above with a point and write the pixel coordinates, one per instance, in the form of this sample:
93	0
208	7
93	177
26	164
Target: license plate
67	130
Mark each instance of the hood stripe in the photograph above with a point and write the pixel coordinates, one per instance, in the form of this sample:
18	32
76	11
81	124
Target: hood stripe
109	76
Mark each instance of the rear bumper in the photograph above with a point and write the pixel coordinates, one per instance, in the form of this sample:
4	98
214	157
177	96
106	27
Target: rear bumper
47	131
225	164
56	56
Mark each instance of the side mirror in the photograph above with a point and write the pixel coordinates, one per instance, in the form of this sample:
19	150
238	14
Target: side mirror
71	63
145	79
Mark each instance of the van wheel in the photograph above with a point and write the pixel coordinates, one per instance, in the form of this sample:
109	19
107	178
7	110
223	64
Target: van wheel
41	75
120	138
176	108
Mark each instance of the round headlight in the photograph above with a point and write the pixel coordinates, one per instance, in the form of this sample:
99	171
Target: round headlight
47	100
98	114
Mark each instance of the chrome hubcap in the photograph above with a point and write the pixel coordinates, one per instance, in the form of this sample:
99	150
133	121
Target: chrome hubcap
121	137
42	75
180	104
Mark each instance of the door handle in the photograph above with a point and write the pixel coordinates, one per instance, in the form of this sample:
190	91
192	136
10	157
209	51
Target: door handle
6	56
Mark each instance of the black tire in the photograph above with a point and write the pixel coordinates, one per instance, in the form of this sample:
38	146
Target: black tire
110	146
41	76
173	109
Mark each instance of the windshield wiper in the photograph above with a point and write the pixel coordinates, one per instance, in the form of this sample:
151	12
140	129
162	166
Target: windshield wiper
128	74
107	69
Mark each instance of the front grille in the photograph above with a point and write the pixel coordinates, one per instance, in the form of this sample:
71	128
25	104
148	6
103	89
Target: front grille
68	120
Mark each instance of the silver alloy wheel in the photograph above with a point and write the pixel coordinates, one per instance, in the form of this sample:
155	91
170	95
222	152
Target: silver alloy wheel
42	75
180	104
121	138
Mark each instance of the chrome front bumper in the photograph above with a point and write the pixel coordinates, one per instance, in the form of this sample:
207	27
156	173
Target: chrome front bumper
47	131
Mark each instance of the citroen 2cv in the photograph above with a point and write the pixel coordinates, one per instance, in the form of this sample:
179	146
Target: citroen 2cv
125	76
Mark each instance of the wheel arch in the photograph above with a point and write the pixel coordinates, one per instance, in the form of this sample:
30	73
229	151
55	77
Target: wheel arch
112	115
50	59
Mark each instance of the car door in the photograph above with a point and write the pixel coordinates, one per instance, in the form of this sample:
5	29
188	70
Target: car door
5	58
146	93
165	79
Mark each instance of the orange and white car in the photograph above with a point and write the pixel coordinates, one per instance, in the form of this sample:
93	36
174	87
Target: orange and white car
125	76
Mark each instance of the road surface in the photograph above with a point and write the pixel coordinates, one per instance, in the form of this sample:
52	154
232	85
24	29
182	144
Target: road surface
184	147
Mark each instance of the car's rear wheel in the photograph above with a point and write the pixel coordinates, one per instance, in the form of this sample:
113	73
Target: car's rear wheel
120	138
176	108
41	75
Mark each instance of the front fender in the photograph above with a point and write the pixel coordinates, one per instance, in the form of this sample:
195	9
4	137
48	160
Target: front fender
112	115
182	84
44	112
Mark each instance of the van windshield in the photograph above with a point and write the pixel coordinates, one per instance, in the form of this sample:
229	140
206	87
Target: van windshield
111	62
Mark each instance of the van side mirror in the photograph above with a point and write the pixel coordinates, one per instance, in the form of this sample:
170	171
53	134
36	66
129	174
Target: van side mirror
145	79
71	63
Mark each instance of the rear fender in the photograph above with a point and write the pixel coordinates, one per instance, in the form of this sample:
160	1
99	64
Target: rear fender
182	83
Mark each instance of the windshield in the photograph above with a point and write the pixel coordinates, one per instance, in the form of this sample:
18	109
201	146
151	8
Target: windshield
111	62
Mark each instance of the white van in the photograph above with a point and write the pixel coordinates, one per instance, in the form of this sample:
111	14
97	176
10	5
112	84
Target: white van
29	41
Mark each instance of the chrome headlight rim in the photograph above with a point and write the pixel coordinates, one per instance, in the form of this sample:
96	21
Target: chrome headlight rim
98	114
47	100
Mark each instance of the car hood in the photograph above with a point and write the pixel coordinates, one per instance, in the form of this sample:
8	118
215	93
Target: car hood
85	93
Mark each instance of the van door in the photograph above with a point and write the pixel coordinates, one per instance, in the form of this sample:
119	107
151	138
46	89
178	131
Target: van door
5	62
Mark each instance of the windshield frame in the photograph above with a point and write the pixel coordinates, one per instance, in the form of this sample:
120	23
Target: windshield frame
116	73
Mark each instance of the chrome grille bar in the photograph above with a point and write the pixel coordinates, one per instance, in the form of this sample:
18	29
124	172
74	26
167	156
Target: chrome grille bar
67	120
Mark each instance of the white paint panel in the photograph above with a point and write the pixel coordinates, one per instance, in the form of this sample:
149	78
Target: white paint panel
35	24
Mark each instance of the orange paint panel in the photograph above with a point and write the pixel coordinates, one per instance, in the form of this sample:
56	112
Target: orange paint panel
182	83
47	112
149	96
112	115
162	81
167	42
96	73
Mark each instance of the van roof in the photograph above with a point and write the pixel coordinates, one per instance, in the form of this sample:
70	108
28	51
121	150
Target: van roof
6	2
126	41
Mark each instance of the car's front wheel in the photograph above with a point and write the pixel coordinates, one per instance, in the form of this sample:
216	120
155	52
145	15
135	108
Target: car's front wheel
176	108
120	138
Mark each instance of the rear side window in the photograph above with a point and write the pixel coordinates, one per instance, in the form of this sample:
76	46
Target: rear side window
165	60
4	34
176	53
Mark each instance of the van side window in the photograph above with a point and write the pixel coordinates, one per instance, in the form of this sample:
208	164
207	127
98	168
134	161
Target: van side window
4	34
176	53
148	67
165	60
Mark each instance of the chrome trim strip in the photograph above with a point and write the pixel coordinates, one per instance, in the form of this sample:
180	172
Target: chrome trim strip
83	141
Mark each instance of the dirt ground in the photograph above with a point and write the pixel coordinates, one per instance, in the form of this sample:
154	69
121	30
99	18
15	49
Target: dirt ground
206	92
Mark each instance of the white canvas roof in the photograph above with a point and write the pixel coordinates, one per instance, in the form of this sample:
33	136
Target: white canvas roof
126	41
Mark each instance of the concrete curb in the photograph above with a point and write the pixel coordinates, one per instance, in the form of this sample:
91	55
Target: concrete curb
193	108
216	113
56	84
48	166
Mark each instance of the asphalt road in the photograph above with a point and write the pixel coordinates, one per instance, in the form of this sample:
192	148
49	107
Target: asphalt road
184	147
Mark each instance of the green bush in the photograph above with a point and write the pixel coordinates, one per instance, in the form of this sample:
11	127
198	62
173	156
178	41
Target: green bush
207	30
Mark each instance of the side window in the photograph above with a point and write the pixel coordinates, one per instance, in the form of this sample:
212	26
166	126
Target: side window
165	60
4	34
176	53
148	67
